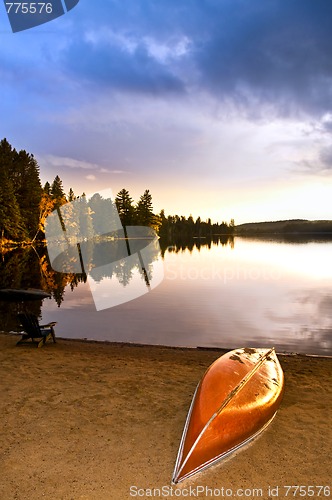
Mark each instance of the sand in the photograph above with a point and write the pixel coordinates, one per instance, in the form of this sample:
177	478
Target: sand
84	420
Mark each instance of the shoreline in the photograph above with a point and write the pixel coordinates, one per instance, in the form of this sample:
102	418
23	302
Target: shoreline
221	350
88	420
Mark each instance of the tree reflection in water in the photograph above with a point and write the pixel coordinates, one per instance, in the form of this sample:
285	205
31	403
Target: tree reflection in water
30	268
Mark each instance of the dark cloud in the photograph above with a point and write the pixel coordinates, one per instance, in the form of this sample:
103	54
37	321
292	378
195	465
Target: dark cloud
111	66
162	18
271	53
259	56
256	55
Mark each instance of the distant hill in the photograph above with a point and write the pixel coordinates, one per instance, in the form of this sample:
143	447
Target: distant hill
285	227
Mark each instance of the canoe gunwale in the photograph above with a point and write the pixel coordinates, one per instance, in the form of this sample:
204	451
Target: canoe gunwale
184	434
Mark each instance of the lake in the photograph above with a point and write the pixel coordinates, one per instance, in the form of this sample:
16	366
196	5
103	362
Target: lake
240	292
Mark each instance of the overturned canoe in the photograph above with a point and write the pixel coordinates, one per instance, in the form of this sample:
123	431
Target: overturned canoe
236	399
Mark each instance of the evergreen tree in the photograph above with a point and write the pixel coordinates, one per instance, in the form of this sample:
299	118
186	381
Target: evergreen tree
125	208
71	196
47	188
209	228
198	228
6	156
164	226
10	217
144	209
28	191
57	192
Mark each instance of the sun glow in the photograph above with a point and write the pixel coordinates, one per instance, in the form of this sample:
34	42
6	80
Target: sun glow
310	260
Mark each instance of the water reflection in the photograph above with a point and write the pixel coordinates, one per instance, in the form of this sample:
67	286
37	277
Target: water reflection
86	236
114	279
30	268
239	292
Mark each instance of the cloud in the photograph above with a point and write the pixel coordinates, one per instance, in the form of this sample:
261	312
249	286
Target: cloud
91	177
106	171
327	123
131	67
149	86
270	54
71	163
59	161
320	164
261	58
326	157
315	147
257	58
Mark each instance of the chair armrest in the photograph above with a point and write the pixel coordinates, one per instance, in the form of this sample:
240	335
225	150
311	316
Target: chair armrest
53	323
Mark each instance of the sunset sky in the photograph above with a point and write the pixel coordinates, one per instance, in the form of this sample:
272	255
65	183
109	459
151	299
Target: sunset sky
222	108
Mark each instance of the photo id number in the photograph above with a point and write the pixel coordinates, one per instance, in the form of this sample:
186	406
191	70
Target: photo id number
29	8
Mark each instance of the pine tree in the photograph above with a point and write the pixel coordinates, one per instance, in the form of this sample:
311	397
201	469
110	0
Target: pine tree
10	217
125	208
144	209
57	192
198	227
6	156
27	187
71	196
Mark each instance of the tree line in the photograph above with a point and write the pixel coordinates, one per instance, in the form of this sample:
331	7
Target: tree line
25	205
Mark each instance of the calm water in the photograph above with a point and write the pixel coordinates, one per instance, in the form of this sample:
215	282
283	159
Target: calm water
245	293
251	293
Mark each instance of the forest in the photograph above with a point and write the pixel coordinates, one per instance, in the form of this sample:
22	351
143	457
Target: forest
286	228
25	205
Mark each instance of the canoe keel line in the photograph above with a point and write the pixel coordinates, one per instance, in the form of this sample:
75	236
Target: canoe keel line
236	399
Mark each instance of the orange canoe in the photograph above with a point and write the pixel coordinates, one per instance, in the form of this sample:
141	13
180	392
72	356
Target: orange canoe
236	399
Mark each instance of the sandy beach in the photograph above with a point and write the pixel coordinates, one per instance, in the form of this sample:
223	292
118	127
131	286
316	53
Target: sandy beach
96	421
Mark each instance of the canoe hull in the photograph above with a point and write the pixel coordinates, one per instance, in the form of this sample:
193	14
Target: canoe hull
236	399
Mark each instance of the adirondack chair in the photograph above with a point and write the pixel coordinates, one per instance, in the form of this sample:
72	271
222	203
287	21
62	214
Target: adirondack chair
39	334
